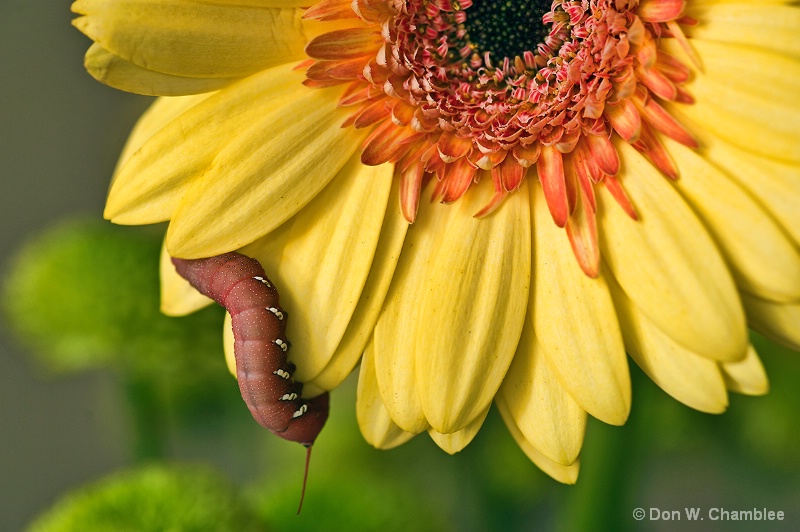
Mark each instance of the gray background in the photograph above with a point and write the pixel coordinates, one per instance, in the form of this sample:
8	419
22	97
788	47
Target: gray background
60	132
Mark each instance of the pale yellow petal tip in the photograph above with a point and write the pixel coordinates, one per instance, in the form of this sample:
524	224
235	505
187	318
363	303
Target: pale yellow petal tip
227	344
79	7
559	449
91	26
311	390
123	209
449	443
334	373
80	22
616	412
564	473
116	72
777	321
177	308
178	297
377	427
612	407
747	377
693	381
186	245
114	218
456	441
395	437
709	405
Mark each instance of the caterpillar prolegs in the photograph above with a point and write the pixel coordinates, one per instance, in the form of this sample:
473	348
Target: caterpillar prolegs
240	284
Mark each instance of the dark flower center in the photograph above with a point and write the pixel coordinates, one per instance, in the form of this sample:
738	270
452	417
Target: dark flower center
506	28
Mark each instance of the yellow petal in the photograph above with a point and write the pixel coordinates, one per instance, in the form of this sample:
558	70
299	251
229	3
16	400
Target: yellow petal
178	297
740	112
262	3
228	344
159	114
691	379
772	182
322	268
362	323
472	307
756	2
777	75
376	426
575	324
193	39
763	260
456	441
566	474
310	390
178	139
748	376
116	72
668	265
778	321
754	25
264	175
400	316
544	412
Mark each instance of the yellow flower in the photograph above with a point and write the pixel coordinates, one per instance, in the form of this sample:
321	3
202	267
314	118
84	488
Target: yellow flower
605	176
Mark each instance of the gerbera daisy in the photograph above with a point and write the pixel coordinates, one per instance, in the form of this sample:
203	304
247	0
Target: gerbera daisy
479	201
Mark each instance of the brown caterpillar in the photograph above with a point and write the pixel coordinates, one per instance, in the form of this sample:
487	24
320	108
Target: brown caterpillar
240	284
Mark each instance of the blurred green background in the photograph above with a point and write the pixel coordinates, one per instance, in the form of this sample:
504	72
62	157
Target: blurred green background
135	416
59	134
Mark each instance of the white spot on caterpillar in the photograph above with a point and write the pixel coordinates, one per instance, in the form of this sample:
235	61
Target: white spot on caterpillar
283	374
282	344
300	411
288	397
277	312
267	283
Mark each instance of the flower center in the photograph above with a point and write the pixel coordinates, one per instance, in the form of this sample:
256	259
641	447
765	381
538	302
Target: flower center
507	28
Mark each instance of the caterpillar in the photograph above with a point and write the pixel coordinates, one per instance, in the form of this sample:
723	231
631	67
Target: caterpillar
240	284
